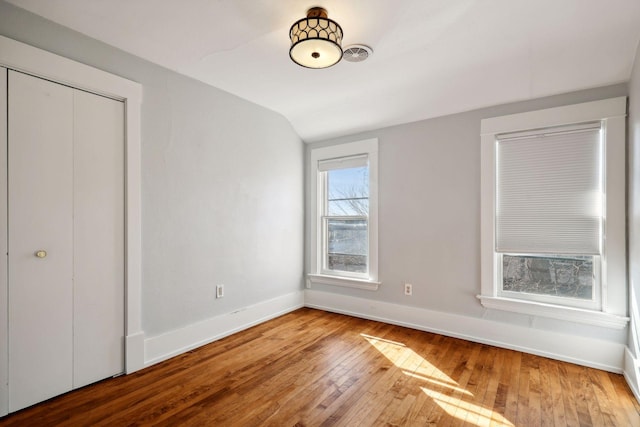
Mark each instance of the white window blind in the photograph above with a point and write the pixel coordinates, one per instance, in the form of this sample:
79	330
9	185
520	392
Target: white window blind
343	163
549	191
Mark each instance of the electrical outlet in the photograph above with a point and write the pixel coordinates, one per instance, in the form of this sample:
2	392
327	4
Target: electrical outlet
219	291
408	289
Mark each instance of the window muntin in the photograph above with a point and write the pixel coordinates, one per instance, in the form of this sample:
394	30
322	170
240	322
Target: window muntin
345	221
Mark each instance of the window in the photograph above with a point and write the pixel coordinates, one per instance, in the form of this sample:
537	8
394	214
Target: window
553	220
344	215
548	214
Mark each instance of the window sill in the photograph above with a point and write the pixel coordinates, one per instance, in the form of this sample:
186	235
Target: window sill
571	314
343	281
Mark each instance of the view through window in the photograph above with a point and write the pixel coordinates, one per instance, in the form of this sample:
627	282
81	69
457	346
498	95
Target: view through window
346	219
560	276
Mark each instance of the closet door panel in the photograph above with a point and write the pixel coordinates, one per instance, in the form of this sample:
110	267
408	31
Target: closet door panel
40	200
98	238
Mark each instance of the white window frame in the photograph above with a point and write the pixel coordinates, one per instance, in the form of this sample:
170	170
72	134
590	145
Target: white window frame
317	179
324	220
612	299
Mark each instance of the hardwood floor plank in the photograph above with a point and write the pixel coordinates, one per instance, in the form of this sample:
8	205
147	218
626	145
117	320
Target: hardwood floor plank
424	407
488	387
407	397
535	416
381	388
500	403
579	395
607	410
511	403
568	395
423	370
481	390
461	399
593	404
476	388
400	416
523	393
311	368
547	400
401	397
442	384
629	406
363	377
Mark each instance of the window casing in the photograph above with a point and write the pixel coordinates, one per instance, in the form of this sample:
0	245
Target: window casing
553	220
344	215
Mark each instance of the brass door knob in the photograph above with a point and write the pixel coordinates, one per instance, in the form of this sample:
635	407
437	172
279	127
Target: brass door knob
41	254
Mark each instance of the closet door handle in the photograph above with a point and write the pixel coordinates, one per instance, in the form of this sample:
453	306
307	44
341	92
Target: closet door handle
41	254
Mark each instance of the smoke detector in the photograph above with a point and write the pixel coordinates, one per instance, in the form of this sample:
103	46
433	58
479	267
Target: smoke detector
357	53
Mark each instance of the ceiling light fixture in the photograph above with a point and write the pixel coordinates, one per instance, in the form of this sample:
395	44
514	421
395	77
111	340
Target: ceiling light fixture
316	40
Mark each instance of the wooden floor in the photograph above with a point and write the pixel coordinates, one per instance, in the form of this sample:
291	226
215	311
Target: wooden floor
312	368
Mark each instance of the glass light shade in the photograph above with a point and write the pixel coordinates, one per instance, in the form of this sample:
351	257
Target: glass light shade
316	41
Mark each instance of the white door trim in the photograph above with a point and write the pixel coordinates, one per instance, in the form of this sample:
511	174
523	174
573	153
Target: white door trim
22	57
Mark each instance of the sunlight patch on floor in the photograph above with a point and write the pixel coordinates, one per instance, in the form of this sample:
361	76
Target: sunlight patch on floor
415	366
438	383
465	410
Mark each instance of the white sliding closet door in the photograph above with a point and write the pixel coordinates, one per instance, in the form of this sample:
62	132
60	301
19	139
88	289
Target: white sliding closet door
65	239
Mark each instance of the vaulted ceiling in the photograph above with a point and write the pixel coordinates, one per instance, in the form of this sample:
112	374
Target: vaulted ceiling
431	57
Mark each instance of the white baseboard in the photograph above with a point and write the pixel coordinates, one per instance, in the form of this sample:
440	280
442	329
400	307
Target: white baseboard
631	372
165	346
599	354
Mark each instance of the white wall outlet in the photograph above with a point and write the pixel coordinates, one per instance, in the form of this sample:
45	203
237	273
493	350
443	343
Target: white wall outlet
219	291
408	289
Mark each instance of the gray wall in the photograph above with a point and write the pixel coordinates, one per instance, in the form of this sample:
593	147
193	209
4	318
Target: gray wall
221	183
222	194
429	213
633	216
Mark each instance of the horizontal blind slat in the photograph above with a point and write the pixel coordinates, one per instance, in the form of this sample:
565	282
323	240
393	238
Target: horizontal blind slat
549	193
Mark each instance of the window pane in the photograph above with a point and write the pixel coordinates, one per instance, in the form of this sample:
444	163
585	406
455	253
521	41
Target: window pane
347	245
348	192
561	276
349	207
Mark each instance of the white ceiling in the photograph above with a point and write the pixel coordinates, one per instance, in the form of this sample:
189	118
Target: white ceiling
431	57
